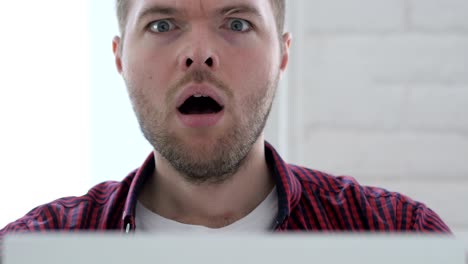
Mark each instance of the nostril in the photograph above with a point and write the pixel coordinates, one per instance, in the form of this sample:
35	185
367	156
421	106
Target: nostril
209	62
188	62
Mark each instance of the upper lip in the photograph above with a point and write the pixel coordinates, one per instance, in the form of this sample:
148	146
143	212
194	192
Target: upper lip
199	89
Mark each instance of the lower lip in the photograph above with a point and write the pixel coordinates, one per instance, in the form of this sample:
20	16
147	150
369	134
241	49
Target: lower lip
202	120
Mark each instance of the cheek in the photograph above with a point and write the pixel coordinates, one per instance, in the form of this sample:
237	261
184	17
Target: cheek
250	90
251	69
149	76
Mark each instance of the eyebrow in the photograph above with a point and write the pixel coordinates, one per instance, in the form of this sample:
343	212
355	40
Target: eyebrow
225	11
240	9
156	10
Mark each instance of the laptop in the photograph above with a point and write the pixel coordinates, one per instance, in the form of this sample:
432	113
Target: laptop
232	249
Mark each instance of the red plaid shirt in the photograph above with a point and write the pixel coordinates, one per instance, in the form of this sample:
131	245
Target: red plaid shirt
308	200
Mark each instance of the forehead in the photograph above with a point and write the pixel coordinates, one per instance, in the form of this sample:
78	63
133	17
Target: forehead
199	7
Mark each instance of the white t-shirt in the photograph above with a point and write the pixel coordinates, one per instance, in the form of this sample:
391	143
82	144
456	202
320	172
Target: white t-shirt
261	219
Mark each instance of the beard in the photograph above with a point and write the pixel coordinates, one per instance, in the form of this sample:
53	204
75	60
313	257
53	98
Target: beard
215	162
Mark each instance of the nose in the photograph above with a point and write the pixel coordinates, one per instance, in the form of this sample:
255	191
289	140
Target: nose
199	52
209	62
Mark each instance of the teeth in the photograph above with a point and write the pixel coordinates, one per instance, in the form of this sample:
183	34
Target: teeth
198	95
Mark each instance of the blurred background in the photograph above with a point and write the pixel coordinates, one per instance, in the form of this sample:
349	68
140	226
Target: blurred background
376	89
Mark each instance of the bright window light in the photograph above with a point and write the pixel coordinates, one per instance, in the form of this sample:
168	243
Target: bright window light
44	102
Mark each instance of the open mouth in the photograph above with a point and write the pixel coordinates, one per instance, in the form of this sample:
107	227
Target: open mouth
199	105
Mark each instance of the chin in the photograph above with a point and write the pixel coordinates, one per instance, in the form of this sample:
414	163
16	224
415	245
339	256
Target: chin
202	147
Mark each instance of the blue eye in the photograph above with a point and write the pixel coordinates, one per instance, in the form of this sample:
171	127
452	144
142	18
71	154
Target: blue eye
239	25
161	26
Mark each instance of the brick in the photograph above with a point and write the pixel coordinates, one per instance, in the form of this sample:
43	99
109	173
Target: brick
447	198
437	108
386	59
386	155
355	106
421	59
361	80
428	108
358	15
443	15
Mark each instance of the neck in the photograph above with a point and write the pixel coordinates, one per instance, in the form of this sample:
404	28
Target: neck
170	195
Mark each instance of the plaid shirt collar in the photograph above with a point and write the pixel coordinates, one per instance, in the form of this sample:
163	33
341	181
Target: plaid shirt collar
288	187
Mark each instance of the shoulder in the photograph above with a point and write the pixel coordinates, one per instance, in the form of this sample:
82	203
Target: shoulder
330	184
75	212
366	207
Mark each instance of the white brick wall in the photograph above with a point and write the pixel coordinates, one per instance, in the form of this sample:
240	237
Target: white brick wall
440	15
437	108
357	15
374	154
378	89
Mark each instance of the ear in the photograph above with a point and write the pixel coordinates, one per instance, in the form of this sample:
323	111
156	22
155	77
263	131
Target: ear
285	45
117	49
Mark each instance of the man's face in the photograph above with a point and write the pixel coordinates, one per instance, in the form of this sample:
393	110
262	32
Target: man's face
201	75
